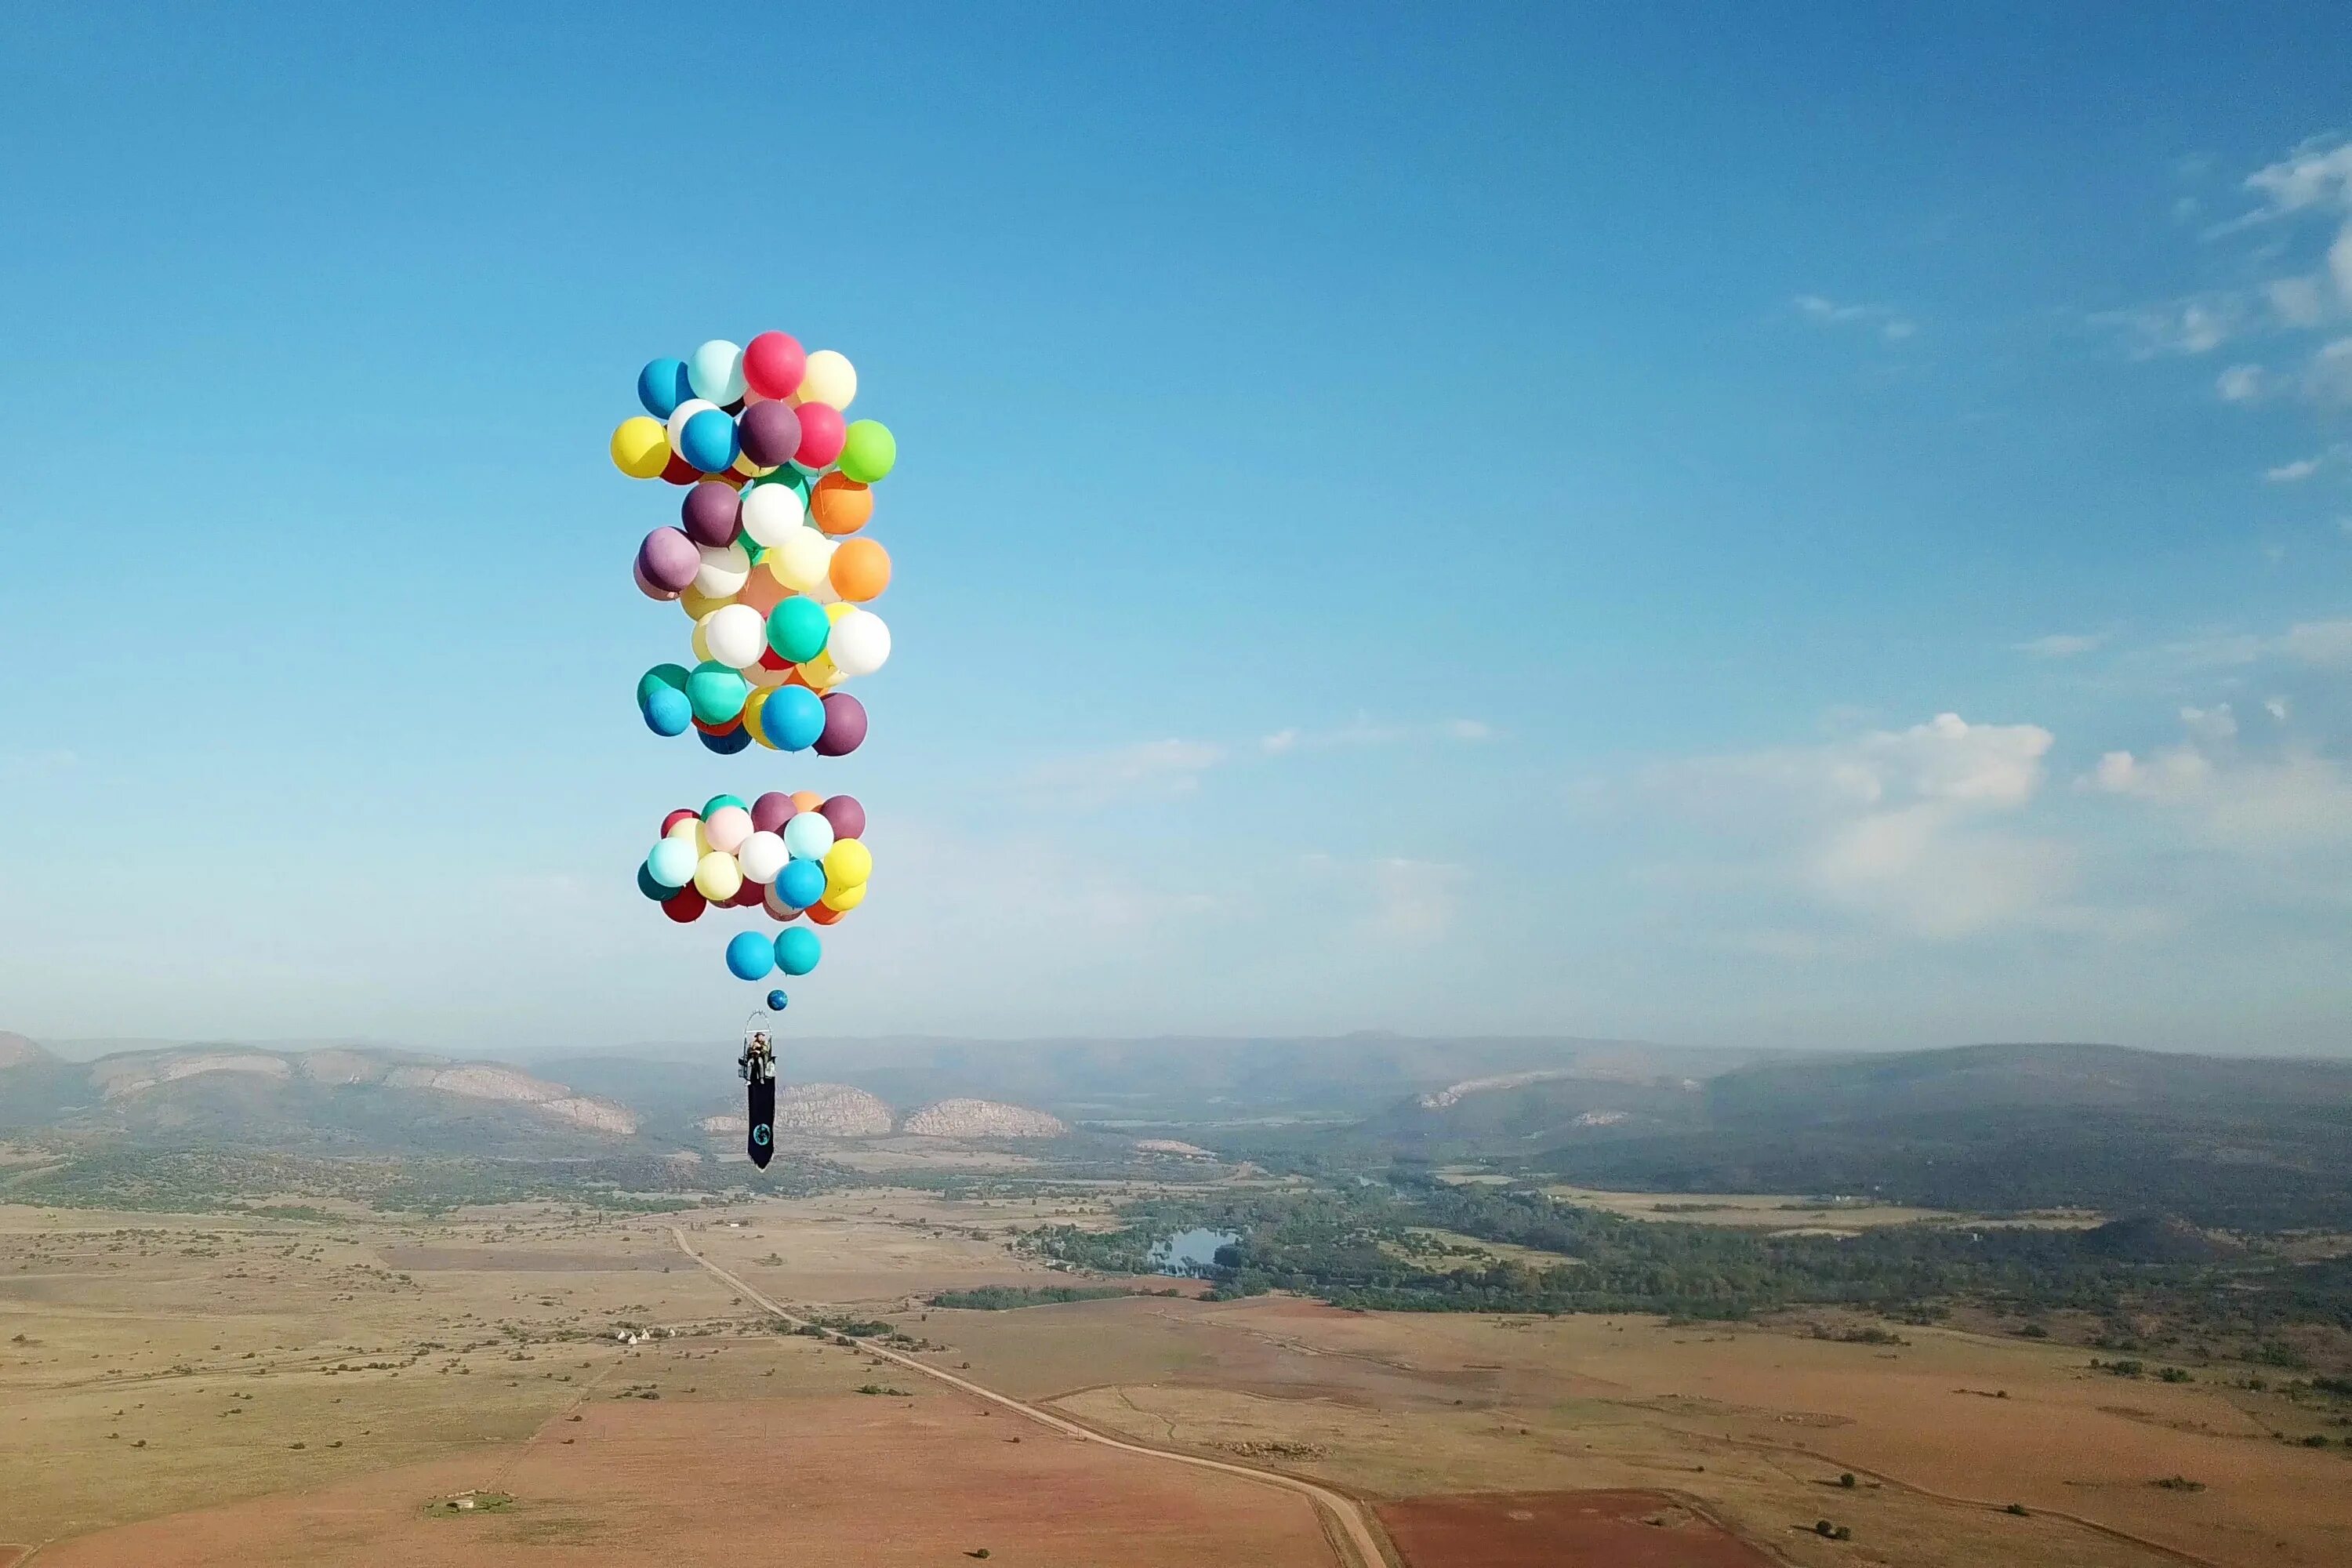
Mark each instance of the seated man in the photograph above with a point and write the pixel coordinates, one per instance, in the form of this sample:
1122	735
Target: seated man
758	1062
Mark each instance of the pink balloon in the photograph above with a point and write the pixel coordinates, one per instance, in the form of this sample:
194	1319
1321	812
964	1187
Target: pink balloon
823	432
728	828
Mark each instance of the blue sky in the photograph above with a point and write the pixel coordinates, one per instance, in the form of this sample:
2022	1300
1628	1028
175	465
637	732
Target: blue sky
1400	523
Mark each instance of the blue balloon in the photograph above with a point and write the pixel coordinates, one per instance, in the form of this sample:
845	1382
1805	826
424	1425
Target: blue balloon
749	956
793	716
668	712
730	744
708	441
801	883
650	888
797	949
776	1000
662	386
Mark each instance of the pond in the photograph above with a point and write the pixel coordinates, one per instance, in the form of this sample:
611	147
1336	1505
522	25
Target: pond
1189	1252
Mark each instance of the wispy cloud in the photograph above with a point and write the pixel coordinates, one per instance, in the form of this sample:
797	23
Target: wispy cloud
1366	731
1888	323
2061	645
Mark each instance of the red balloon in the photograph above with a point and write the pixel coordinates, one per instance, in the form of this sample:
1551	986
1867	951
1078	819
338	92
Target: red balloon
678	471
729	728
675	817
823	431
749	896
685	906
773	363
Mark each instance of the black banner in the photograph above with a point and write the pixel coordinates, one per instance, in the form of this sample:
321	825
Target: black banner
763	1121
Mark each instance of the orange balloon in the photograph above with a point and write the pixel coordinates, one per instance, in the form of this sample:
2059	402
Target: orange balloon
861	570
762	591
821	915
840	505
806	800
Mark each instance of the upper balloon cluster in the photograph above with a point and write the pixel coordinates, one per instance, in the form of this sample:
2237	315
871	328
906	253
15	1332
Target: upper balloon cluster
760	558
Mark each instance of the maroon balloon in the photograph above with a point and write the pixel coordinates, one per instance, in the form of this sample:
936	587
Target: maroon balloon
650	590
708	512
749	896
678	471
668	559
844	726
769	433
771	811
848	817
685	906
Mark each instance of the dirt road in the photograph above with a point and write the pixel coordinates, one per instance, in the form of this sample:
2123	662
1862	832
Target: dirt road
1349	1525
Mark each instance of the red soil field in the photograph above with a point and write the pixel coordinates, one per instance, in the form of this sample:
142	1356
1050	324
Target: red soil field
1561	1529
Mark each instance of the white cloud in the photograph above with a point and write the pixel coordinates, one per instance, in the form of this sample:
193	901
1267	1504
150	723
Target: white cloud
2191	327
2291	473
2263	806
2319	642
2240	384
1889	322
2276	707
2316	174
2061	645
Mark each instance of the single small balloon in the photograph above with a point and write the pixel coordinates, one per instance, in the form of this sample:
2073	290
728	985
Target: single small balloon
860	643
724	742
670	560
778	1001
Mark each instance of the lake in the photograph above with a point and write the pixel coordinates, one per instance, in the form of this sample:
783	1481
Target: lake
1188	1252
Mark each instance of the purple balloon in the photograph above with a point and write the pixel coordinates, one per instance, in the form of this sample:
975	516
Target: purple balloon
769	433
668	560
848	817
844	726
771	811
648	589
709	511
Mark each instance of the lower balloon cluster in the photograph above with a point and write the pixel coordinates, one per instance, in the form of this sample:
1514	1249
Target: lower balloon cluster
793	855
728	713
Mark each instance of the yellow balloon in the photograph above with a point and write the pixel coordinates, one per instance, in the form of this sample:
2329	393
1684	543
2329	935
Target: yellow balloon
698	603
847	864
701	640
686	828
752	705
845	899
762	678
717	876
835	611
829	377
819	674
641	448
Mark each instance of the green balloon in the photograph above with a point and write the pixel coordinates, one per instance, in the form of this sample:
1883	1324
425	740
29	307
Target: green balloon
715	692
670	675
718	802
797	628
869	451
787	475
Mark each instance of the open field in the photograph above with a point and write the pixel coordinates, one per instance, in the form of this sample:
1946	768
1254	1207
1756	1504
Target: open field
311	1387
1777	1212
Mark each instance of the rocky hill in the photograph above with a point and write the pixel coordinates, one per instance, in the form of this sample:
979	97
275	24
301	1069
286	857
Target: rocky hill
818	1110
15	1051
982	1119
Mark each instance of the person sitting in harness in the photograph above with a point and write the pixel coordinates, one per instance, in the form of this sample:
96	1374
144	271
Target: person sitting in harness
758	1062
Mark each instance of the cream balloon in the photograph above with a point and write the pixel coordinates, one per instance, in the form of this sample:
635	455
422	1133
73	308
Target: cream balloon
762	854
860	643
770	512
737	636
699	640
828	378
802	559
725	569
718	878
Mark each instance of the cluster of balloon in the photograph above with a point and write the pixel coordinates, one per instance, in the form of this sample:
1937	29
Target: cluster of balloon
763	558
793	856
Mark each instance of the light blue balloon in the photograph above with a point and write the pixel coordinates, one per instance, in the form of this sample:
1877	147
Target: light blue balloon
708	441
749	956
801	883
662	385
716	372
808	836
668	712
793	716
797	949
672	862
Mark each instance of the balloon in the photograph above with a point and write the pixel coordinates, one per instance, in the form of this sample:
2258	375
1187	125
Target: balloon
792	717
769	434
844	725
672	863
716	371
678	471
662	385
725	742
685	906
668	559
820	914
707	440
806	800
797	629
801	883
668	712
718	802
649	888
695	602
717	875
860	571
869	451
777	1000
686	827
771	811
723	570
797	949
803	560
641	448
761	590
763	854
827	376
738	635
848	817
715	692
841	900
649	589
708	512
750	955
676	427
727	828
821	433
772	513
749	896
775	904
773	363
818	674
847	864
840	505
808	836
860	643
672	676
699	640
791	479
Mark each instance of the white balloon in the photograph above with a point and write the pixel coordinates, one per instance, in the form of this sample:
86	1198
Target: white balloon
725	569
682	414
802	559
828	377
770	512
736	635
860	643
715	371
763	855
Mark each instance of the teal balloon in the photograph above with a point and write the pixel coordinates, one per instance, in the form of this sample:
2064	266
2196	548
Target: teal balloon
793	716
715	692
787	475
661	676
797	949
672	862
718	802
797	628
